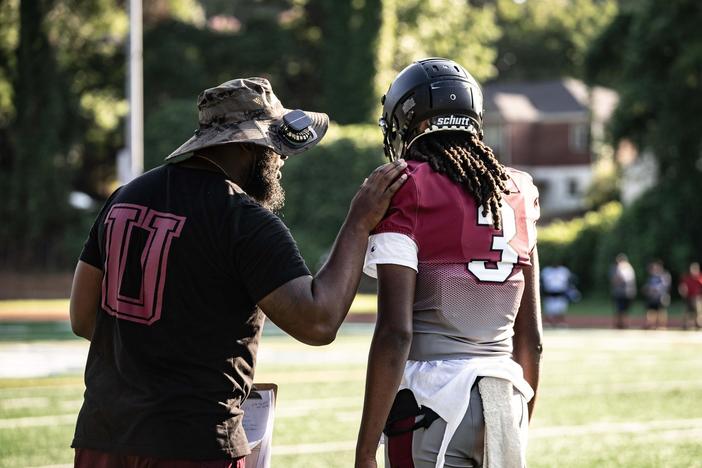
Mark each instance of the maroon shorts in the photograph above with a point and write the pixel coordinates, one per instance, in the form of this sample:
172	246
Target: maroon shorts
88	458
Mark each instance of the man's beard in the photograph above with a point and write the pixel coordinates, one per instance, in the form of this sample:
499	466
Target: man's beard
264	185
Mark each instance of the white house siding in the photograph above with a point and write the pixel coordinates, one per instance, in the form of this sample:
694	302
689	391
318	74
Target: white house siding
561	188
638	176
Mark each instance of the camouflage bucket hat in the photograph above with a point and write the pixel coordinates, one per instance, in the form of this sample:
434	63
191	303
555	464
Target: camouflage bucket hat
246	111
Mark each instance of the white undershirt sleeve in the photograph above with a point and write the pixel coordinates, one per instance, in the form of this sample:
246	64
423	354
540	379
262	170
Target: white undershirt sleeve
390	248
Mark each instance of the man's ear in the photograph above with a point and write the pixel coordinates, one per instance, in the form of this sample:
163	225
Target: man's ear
248	153
245	156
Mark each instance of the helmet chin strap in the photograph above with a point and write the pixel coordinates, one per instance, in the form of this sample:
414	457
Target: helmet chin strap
390	152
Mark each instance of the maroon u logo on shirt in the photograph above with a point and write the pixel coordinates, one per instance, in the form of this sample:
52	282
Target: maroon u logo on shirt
161	228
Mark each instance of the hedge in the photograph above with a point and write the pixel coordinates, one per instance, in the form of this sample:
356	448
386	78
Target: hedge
320	184
665	223
576	243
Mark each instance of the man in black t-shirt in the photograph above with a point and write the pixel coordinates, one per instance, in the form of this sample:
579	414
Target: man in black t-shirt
178	270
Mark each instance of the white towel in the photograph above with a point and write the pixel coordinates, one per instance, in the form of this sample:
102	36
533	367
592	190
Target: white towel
444	386
504	447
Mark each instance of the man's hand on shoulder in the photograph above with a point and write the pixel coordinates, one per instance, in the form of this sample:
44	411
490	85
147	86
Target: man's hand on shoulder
373	198
312	309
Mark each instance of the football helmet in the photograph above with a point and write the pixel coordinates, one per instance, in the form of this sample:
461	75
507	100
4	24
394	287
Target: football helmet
430	95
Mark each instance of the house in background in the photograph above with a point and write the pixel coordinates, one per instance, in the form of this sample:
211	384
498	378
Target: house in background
549	129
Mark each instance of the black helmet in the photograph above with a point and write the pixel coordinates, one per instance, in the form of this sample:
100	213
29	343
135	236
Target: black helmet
429	95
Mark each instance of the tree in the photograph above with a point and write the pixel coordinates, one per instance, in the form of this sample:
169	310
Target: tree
9	18
320	184
656	67
548	38
349	35
89	41
446	28
36	186
62	73
61	100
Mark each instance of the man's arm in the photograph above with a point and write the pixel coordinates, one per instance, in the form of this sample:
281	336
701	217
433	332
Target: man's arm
388	355
312	309
85	296
527	328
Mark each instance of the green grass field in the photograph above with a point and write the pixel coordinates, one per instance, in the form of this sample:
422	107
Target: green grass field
592	304
58	308
607	399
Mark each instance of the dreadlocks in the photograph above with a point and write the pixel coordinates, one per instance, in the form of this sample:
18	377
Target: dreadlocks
467	161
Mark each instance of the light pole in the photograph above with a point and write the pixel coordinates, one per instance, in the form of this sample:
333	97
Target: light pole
132	163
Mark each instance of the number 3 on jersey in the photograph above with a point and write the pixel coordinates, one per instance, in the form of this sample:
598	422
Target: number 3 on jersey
500	243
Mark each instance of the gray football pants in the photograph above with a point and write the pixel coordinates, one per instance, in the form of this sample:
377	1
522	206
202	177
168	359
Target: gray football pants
465	450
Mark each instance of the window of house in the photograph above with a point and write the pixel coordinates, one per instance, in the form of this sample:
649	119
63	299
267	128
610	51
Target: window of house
542	185
579	136
573	187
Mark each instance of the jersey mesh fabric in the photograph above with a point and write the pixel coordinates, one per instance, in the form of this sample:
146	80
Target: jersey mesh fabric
457	312
455	315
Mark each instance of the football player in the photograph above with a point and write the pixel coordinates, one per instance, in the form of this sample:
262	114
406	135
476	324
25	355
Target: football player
457	342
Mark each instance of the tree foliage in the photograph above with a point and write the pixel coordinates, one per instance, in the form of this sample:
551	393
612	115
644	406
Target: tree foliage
61	81
448	28
344	39
35	188
665	223
657	69
65	75
9	19
575	243
320	184
548	38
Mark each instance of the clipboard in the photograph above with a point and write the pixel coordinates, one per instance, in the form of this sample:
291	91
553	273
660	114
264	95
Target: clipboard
259	416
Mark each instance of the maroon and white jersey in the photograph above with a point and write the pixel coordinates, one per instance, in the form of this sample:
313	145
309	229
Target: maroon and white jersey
469	275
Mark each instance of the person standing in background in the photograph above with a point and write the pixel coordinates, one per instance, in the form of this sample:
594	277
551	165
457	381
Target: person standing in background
690	289
556	284
623	282
657	294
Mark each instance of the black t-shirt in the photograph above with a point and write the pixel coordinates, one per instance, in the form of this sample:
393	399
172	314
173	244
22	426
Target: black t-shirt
186	257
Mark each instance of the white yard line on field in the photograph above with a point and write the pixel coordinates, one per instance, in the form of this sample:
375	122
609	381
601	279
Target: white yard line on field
290	410
38	421
303	376
348	416
56	389
25	360
670	430
297	408
620	387
23	403
616	427
324	447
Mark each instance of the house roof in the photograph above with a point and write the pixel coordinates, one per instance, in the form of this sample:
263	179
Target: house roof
530	101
